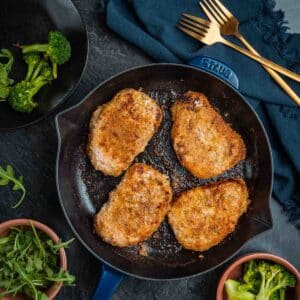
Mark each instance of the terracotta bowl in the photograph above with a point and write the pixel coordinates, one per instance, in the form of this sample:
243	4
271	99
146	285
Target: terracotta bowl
4	229
235	271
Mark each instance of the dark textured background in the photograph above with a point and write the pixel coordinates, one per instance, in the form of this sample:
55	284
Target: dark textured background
32	152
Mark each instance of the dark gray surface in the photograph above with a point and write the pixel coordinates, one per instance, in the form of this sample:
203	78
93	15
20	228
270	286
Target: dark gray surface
291	9
32	152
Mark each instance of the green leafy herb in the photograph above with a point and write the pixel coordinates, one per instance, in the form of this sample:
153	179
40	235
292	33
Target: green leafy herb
7	176
29	263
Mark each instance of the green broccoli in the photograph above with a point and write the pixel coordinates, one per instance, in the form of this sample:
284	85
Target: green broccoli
234	293
39	67
276	296
21	95
5	69
261	281
58	49
273	278
31	59
46	73
251	277
281	294
4	92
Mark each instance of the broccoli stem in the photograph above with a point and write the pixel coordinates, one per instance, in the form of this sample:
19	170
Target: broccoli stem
29	72
234	293
37	70
266	289
54	67
39	83
35	48
261	293
276	288
282	294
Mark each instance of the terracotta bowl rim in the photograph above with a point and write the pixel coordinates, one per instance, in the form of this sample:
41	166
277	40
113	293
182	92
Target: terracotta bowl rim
255	255
6	225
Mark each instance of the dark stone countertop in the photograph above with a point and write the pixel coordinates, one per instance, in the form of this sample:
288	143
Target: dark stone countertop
32	152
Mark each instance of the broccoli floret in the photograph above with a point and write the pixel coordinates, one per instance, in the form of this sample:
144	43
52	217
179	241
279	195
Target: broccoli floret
261	281
58	49
32	59
234	293
21	95
251	277
250	271
5	69
4	92
274	277
46	73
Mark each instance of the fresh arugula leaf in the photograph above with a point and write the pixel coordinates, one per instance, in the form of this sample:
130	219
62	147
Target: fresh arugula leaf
7	176
63	244
29	263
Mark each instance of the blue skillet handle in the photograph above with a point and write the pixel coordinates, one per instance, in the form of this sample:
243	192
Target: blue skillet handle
217	68
108	283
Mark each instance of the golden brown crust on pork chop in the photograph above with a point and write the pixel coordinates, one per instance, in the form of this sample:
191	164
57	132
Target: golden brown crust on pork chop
203	216
121	129
135	208
204	143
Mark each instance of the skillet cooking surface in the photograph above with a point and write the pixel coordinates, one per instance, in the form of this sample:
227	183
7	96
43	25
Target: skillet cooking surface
83	190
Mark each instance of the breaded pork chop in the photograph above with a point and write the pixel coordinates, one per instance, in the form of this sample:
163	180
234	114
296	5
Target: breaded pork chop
204	143
203	216
135	208
121	129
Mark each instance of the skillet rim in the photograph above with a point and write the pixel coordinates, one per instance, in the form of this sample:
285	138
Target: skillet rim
65	98
268	226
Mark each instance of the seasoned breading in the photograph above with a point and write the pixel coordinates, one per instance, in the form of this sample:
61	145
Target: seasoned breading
204	143
135	208
203	216
121	129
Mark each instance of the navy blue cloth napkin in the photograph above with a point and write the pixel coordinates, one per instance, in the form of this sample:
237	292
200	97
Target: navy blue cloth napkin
150	25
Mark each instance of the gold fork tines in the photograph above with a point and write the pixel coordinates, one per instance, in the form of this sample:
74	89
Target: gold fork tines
209	33
216	11
229	25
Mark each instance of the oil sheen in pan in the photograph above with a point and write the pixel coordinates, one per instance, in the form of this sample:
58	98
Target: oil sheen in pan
162	246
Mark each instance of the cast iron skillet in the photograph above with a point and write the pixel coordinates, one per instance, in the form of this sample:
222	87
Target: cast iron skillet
82	190
29	21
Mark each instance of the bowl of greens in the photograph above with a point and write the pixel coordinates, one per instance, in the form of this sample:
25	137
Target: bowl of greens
33	261
260	276
42	58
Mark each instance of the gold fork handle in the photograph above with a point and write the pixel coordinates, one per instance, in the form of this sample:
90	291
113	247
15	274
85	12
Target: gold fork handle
262	60
276	77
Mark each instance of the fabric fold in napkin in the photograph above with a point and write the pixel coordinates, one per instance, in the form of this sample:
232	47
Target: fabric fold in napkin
151	25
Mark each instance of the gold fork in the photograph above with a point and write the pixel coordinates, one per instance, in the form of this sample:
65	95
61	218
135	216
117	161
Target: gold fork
229	25
209	33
